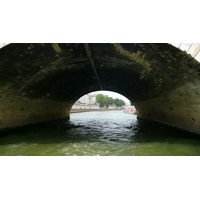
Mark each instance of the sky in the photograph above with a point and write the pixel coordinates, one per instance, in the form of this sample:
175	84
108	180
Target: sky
3	44
114	95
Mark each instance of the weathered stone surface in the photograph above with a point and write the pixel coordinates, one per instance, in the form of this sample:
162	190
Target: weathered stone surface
40	82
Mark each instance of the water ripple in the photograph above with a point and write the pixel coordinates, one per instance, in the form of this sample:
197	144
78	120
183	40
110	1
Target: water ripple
98	134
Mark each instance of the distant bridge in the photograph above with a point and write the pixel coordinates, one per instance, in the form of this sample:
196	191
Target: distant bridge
40	82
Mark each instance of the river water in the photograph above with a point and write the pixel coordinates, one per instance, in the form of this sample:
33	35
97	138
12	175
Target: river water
99	133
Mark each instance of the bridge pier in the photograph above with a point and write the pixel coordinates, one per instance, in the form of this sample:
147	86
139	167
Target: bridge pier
18	111
180	108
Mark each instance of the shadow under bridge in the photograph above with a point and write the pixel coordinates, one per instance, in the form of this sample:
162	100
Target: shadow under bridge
40	82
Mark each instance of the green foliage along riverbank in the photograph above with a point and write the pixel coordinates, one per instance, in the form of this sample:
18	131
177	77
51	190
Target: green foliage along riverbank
89	110
105	101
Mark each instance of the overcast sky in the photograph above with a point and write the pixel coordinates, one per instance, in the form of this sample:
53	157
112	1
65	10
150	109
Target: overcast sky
3	44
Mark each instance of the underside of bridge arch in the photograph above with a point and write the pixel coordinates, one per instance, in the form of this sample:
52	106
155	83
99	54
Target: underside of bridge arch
40	82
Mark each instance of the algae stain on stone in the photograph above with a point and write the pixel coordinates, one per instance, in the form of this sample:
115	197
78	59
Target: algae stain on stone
56	47
138	57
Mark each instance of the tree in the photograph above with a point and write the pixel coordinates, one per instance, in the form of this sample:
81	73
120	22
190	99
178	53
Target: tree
109	101
116	102
100	98
119	102
105	101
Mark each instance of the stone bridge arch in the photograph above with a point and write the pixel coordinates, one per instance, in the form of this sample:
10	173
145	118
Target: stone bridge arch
40	82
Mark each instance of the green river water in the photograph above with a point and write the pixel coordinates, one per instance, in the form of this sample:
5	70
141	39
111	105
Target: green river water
99	133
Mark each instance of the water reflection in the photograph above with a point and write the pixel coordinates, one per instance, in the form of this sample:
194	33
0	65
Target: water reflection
99	133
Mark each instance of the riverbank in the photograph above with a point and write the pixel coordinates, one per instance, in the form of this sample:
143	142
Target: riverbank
89	110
